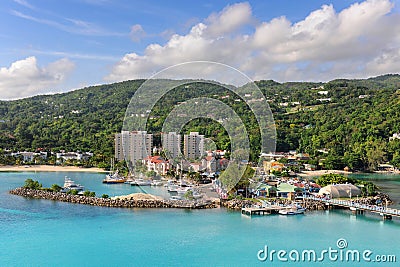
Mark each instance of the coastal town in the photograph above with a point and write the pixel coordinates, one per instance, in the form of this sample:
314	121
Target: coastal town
284	183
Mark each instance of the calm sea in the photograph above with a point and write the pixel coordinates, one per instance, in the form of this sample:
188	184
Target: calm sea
48	233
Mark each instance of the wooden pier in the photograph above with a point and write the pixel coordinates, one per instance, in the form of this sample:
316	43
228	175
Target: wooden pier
359	208
262	210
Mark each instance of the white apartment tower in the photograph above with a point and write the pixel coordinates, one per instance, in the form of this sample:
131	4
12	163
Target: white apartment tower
171	143
133	146
193	145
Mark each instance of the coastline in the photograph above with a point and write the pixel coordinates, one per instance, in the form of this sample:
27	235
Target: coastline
49	168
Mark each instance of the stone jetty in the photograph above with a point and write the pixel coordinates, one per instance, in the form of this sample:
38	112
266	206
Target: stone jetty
117	202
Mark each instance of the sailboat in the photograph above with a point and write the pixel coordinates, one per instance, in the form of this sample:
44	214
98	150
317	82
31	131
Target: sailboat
113	178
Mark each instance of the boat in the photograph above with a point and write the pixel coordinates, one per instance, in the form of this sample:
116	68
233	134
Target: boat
141	182
156	183
113	178
171	186
71	185
292	210
197	194
182	190
175	198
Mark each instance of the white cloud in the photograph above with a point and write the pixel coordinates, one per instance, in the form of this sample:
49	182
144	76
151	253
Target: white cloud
359	41
69	25
137	33
25	78
25	4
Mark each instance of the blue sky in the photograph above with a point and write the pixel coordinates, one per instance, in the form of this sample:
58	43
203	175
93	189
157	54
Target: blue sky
52	46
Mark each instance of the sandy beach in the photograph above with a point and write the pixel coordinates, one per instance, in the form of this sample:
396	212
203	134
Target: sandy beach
321	172
48	168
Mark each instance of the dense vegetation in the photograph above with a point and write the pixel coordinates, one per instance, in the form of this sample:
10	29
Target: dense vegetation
340	123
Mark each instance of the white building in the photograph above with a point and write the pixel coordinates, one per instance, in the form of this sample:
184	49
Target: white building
74	155
30	156
193	145
171	143
133	146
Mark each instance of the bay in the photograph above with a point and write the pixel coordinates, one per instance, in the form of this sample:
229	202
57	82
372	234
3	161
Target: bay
48	233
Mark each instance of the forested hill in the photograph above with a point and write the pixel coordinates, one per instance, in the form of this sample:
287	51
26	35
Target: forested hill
351	120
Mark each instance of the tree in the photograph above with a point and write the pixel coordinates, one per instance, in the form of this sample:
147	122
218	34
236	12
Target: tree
31	184
56	188
188	194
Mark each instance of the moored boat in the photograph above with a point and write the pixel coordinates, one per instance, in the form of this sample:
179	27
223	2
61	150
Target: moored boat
292	210
71	185
157	183
141	182
114	179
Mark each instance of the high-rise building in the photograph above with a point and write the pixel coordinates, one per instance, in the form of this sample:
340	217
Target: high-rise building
133	146
171	143
193	145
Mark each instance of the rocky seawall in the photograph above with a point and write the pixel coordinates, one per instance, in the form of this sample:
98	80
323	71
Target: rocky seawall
117	203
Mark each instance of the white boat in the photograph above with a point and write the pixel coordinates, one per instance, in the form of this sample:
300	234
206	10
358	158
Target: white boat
156	183
182	190
141	182
292	210
197	195
172	188
175	198
71	185
114	178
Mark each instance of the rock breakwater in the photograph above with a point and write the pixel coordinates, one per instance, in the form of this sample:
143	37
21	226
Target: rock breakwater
117	203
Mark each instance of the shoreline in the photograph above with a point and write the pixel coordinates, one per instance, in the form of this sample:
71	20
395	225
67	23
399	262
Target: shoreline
49	168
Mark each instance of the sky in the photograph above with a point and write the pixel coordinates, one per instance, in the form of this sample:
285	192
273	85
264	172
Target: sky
49	46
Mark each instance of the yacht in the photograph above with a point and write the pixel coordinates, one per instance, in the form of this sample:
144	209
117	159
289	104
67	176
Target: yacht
182	190
175	198
71	185
141	182
156	183
292	210
114	178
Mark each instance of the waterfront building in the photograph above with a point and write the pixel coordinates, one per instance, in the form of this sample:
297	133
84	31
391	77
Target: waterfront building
30	156
193	145
79	156
133	146
171	143
156	164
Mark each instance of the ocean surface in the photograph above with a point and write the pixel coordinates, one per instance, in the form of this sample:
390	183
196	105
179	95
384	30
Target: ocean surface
49	233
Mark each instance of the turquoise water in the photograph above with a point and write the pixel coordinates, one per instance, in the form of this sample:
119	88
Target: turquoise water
48	233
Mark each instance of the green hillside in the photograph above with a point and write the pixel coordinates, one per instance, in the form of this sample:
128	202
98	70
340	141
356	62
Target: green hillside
352	120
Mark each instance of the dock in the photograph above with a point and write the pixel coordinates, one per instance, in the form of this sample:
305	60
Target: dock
359	208
250	211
